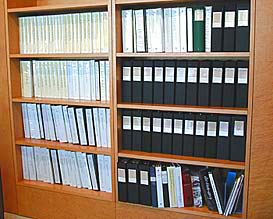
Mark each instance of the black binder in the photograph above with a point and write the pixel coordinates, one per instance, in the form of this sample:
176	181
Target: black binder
165	182
203	83
229	84
158	82
169	82
167	133
229	27
217	27
242	76
153	186
147	130
137	81
133	181
178	133
122	180
127	133
157	132
180	85
148	82
211	136
216	92
238	138
242	27
200	135
137	130
192	74
145	185
189	126
127	81
223	137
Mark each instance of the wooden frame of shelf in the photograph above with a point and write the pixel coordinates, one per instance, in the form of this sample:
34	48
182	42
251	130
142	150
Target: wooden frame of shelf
61	56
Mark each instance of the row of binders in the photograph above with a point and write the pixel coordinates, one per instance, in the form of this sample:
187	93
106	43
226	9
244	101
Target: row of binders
203	83
64	33
187	134
84	126
75	169
163	185
224	26
80	80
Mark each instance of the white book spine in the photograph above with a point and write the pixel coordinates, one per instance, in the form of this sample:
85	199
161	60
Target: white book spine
31	163
168	30
97	127
101	172
26	121
215	192
108	128
97	81
73	125
208	10
25	163
50	123
81	126
107	78
90	127
159	187
127	30
176	30
107	173
190	29
92	80
75	78
81	80
67	124
103	128
46	123
96	32
102	81
139	29
179	187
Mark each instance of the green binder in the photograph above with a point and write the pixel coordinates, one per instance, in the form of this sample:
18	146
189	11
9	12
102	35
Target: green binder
198	29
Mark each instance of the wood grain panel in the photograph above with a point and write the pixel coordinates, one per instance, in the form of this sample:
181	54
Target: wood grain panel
6	154
260	194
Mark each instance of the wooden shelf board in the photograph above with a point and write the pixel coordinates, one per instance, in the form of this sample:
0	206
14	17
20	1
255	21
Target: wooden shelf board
61	56
61	102
59	7
67	189
63	146
204	211
184	108
169	158
189	55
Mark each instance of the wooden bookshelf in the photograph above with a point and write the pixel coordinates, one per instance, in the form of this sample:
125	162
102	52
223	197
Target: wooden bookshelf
61	56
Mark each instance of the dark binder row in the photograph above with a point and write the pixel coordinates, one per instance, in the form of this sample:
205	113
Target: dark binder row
203	83
187	134
164	185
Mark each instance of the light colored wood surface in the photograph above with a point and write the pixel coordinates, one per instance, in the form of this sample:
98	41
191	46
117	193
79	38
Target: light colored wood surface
260	193
61	56
14	216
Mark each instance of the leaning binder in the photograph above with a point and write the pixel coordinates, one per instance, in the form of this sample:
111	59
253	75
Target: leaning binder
216	92
229	27
200	135
229	84
188	134
153	186
169	82
180	85
238	138
133	181
203	85
242	73
223	137
165	182
178	133
126	130
167	133
211	136
148	82
137	130
147	122
158	82
157	132
122	180
191	93
242	26
217	27
137	82
127	81
145	184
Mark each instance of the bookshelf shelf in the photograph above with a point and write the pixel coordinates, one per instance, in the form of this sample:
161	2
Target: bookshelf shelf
169	158
134	2
202	212
61	102
193	55
63	146
184	108
61	56
67	190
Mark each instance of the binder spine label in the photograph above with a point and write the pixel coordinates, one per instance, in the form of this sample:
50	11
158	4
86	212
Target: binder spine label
146	124
211	129
200	128
144	178
223	129
137	123
217	75
156	124
242	18
229	75
132	176
239	128
126	122
167	128
164	177
169	74
121	175
178	126
199	15
230	19
204	75
242	75
137	74
192	75
181	75
126	75
217	19
188	127
158	74
148	74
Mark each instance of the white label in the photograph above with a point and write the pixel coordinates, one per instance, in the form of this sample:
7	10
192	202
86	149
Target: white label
200	128
164	177
137	123
188	127
211	129
137	74
181	75
169	75
156	124
126	122
121	175
217	75
199	15
153	179
126	76
158	74
204	75
178	126
132	176
229	75
148	73
239	128
146	124
223	129
242	18
217	19
242	75
167	127
230	19
144	178
192	75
